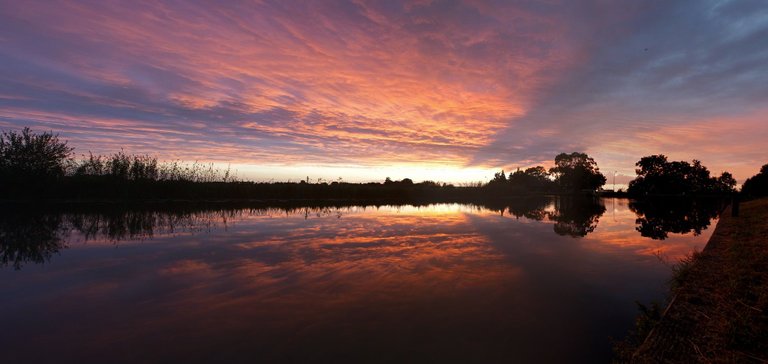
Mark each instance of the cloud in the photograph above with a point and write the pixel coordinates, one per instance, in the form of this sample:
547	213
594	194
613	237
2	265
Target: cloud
669	71
452	83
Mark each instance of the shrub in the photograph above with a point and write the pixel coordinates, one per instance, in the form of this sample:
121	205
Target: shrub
27	158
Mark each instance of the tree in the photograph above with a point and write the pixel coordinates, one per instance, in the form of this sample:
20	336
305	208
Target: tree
576	172
499	177
657	175
757	185
28	158
726	182
534	179
498	183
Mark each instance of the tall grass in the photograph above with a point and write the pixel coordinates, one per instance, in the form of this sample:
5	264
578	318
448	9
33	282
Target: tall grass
122	166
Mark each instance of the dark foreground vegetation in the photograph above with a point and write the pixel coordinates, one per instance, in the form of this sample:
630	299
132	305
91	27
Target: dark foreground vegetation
718	303
41	166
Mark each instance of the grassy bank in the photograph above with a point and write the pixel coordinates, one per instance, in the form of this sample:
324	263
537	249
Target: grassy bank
719	305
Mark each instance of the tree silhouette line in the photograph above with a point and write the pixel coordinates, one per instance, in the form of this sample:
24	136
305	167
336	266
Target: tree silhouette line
41	165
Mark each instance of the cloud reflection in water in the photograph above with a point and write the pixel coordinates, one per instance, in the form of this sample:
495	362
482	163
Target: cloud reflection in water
430	283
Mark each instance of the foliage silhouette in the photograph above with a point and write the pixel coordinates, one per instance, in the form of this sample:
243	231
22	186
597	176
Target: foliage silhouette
573	173
757	185
40	166
31	160
577	172
658	176
531	180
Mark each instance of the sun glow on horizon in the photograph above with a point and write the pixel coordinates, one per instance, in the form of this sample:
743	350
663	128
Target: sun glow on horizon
358	174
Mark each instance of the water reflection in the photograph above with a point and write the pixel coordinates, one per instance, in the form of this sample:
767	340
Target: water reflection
32	235
573	216
29	237
577	216
35	236
439	283
656	219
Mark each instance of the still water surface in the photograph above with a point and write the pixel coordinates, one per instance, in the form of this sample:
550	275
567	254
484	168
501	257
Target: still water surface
536	281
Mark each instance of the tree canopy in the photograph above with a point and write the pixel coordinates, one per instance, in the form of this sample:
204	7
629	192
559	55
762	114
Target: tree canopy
757	185
657	175
534	179
577	172
28	157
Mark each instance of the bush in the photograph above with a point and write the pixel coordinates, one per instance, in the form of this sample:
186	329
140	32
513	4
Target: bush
28	159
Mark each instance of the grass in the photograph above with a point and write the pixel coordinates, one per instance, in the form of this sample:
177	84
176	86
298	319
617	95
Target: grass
719	309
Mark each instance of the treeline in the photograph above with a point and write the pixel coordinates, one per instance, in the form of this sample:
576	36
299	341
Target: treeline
42	166
572	173
656	175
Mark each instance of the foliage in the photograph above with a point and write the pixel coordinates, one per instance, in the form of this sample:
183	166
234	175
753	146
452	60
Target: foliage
28	158
499	177
757	185
656	175
534	179
577	172
119	166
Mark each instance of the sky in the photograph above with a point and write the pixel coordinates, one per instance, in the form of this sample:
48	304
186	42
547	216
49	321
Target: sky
449	91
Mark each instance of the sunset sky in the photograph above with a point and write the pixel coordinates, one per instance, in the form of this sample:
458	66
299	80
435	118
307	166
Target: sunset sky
442	90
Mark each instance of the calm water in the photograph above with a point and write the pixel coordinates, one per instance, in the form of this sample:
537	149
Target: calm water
536	281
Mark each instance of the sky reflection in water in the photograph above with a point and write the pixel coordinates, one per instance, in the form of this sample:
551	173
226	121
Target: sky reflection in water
430	283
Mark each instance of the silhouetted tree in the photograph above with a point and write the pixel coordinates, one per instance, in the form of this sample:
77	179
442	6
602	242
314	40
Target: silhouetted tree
726	182
499	177
498	185
577	172
28	159
657	175
534	179
757	185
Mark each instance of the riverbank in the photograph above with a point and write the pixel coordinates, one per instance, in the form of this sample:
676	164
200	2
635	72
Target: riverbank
719	309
